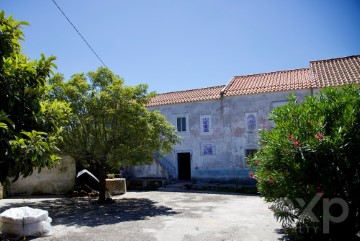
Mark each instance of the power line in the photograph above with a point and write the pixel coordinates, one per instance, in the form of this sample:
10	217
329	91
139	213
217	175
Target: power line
79	33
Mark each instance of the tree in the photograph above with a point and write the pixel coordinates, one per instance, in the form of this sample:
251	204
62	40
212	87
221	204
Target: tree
30	125
313	154
111	126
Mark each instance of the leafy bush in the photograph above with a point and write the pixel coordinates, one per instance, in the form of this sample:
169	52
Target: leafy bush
308	165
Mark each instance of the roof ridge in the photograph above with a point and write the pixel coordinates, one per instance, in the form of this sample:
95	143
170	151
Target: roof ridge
272	72
180	91
331	59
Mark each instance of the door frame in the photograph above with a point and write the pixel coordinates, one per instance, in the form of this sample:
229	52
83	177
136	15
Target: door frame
177	162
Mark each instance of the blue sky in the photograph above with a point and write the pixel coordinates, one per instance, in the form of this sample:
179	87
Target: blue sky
185	44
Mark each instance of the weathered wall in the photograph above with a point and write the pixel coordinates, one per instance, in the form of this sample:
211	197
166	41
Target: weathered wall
1	192
154	170
232	123
58	180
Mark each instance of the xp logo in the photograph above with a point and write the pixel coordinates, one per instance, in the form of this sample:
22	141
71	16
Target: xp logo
327	203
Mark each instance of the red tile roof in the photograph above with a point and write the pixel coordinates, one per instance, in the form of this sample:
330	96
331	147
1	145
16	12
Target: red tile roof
322	73
269	82
203	94
335	72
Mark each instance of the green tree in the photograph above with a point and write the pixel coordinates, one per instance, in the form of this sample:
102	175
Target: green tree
30	124
313	152
111	126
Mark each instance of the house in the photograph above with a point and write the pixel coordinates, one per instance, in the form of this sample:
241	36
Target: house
219	125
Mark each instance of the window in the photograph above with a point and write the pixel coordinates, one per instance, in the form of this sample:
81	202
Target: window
249	153
181	124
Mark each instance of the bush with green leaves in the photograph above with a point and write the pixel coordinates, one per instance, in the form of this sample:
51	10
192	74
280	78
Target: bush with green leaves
311	158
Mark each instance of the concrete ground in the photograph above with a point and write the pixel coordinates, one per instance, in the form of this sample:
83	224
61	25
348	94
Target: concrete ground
157	215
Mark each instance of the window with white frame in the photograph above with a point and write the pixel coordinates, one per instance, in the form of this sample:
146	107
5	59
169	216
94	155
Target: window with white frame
181	124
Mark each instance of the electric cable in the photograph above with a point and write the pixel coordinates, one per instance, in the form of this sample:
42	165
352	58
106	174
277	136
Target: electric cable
79	33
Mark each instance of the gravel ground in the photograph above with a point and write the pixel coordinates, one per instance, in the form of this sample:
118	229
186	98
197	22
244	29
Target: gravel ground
158	215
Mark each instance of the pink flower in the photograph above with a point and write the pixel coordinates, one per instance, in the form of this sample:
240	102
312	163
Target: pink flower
319	190
296	143
291	137
271	181
256	163
319	136
251	175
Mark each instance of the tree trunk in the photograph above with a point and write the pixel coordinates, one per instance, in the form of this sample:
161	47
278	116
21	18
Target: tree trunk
102	184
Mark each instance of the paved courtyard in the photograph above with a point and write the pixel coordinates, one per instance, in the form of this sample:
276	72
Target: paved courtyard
157	215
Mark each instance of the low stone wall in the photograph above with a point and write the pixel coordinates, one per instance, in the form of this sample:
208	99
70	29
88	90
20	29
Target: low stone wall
57	180
146	183
116	186
222	177
1	192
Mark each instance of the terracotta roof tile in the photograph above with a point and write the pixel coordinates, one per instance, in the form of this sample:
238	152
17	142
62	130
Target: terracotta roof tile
335	72
322	73
177	97
269	82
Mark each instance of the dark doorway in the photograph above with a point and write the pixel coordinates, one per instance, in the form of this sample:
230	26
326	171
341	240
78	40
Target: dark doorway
184	166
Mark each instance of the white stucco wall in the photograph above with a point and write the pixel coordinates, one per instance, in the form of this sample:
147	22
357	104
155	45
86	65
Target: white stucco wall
229	135
57	180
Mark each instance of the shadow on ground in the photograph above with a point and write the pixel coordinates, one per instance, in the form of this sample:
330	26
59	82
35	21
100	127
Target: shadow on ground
86	212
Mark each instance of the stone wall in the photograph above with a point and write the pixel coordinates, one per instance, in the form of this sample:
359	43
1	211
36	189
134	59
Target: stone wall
59	180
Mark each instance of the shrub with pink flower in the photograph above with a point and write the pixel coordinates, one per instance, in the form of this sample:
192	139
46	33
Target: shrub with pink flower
296	143
251	175
328	166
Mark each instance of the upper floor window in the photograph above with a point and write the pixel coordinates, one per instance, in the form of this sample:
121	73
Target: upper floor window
181	124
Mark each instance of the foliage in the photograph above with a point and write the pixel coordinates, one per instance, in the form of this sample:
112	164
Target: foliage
314	149
29	124
111	126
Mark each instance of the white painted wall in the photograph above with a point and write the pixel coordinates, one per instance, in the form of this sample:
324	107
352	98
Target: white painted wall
229	135
58	180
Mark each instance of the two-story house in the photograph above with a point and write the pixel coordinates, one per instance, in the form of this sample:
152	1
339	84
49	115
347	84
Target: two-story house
219	125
